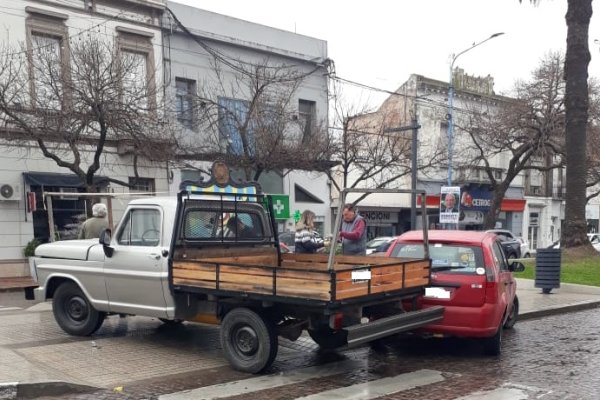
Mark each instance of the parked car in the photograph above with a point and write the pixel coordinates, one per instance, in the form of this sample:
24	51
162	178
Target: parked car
472	278
510	242
379	244
525	250
595	240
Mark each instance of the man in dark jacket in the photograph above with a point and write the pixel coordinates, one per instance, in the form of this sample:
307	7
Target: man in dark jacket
354	232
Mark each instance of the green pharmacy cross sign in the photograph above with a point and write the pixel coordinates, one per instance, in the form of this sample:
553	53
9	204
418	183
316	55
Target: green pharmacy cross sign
281	206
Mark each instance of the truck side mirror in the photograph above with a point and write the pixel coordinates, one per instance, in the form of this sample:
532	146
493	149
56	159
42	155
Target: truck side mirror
104	240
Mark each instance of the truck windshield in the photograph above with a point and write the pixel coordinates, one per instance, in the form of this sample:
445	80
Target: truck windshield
444	256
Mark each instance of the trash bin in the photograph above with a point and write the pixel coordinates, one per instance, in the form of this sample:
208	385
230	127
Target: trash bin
547	269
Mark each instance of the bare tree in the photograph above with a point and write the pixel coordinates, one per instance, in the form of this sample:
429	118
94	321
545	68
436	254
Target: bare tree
527	130
369	149
248	115
75	99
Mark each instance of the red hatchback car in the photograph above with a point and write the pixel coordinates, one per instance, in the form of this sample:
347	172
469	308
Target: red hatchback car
471	278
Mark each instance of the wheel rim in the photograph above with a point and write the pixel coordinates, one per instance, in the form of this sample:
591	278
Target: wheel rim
245	340
77	309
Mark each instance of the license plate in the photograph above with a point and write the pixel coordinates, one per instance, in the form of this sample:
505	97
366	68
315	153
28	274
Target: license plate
437	293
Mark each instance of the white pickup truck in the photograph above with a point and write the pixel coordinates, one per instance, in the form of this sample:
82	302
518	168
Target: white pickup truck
171	258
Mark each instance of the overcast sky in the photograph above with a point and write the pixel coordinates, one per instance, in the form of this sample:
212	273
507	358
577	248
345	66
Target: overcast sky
381	42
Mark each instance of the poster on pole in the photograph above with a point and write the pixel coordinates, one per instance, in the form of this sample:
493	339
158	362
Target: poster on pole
450	204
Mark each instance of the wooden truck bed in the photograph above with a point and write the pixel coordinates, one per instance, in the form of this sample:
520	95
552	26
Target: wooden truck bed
301	276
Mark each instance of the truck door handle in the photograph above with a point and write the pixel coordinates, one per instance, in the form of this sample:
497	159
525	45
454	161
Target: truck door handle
154	256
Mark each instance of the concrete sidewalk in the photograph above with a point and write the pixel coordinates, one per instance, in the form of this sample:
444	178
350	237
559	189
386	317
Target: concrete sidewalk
569	297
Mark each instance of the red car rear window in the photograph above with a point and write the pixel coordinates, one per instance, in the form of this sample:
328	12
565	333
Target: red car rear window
448	257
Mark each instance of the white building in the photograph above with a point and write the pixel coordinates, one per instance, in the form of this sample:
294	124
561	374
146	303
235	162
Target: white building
132	27
426	100
190	74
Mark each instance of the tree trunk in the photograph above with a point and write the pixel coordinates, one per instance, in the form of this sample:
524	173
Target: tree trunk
492	215
577	59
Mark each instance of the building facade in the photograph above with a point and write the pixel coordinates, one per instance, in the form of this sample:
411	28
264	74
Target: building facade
35	29
209	59
424	101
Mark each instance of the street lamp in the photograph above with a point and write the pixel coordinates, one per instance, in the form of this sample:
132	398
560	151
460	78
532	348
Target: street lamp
451	99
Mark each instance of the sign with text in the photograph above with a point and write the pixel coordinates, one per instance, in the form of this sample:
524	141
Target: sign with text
476	198
379	217
449	205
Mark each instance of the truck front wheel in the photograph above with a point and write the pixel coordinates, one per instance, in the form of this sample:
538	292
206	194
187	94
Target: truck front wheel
73	312
248	340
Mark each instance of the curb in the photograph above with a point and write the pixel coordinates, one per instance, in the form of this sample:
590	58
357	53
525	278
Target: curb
16	390
562	309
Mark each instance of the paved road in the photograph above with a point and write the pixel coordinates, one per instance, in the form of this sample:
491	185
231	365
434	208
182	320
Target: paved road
557	357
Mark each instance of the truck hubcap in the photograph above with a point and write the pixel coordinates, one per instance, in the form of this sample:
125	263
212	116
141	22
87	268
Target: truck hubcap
77	308
246	340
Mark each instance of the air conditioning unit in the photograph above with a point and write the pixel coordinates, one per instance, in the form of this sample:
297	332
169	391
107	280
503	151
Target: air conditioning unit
9	191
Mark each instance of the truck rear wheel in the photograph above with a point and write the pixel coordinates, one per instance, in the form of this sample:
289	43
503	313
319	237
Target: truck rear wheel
73	312
248	340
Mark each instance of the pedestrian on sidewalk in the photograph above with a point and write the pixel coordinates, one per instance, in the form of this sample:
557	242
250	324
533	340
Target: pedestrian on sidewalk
354	232
307	239
93	227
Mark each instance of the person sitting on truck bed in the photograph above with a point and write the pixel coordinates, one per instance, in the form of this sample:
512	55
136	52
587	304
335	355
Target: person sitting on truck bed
237	228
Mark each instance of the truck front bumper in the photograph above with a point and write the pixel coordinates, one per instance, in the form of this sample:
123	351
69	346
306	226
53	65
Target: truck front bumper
380	328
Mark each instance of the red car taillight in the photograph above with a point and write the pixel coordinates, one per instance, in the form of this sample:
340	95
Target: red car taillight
491	292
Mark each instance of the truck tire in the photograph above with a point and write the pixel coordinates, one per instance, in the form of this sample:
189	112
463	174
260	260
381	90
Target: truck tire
248	340
513	315
327	338
492	345
73	312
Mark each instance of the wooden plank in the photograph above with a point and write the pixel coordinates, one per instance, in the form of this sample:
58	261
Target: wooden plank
349	284
305	294
262	281
245	288
195	265
397	277
308	275
222	251
303	265
386	287
194	275
194	283
249	270
349	293
268	260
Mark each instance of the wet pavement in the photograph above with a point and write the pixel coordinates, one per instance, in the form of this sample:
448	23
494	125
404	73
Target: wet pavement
554	357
